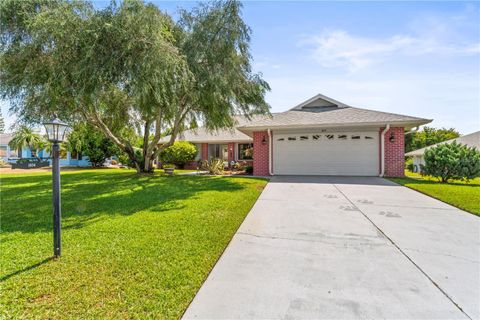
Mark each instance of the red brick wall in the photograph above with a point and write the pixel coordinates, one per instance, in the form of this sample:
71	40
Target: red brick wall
204	151
191	165
260	153
231	152
395	152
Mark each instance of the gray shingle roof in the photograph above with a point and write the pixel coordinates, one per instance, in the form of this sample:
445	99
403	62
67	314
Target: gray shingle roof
326	116
318	111
471	140
202	135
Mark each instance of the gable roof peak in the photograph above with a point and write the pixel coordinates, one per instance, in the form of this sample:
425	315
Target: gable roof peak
320	101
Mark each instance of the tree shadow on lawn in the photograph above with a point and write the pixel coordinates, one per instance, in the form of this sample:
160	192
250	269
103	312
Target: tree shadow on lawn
87	197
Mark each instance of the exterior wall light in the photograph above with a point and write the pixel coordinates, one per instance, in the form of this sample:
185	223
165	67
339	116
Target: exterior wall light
392	138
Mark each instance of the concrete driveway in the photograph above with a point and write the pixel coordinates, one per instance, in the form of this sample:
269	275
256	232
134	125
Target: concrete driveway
344	248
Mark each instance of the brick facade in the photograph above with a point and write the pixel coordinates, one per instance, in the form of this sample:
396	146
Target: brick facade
395	152
260	153
231	152
204	152
191	165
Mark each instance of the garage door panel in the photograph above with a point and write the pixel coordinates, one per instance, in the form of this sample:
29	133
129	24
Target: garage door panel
347	153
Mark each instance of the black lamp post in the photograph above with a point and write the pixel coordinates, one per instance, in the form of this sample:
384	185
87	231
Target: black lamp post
56	131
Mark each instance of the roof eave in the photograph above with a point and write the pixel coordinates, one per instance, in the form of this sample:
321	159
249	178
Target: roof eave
407	124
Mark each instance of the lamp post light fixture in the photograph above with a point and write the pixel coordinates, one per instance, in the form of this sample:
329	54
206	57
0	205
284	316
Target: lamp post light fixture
56	131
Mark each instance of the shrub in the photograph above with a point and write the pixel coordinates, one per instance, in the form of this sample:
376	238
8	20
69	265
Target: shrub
452	161
214	166
469	163
179	153
409	164
249	169
240	165
92	143
168	166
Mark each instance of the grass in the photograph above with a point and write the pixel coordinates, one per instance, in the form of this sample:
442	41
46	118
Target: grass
134	247
457	193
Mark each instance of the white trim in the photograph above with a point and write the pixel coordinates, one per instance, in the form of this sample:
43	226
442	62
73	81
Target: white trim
270	170
382	149
405	124
320	96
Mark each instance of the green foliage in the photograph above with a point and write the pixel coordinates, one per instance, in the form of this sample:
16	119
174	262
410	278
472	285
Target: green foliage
25	136
127	67
427	137
469	163
452	161
168	166
249	169
214	166
409	164
2	123
92	143
179	153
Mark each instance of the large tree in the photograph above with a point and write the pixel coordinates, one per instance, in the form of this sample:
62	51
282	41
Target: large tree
427	137
128	67
90	142
2	123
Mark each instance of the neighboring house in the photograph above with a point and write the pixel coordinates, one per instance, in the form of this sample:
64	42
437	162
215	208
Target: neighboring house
320	136
67	158
471	140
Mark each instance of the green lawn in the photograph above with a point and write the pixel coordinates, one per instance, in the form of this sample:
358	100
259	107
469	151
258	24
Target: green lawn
460	194
134	247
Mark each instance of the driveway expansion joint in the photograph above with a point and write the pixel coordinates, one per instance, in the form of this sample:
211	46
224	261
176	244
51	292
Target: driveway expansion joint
403	253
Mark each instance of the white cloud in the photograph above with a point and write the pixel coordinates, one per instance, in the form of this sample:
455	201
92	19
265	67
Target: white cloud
338	48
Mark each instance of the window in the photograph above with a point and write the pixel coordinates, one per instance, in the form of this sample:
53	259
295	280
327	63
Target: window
329	136
292	138
303	137
218	151
33	153
245	151
355	137
368	137
198	156
342	136
316	137
3	151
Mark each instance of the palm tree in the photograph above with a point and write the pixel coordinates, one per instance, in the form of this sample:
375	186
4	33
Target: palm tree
26	137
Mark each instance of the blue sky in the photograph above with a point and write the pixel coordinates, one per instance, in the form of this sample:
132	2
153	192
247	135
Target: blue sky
414	58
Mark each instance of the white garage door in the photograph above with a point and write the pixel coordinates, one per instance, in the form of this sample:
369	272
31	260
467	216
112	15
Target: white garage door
344	153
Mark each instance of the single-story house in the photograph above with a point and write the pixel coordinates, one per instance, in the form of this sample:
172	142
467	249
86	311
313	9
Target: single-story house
471	140
10	155
320	136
